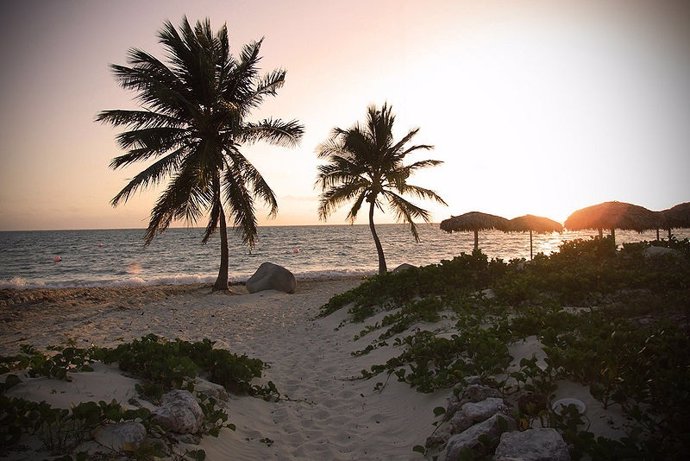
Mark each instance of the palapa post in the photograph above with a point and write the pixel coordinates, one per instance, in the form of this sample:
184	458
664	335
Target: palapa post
530	223
474	221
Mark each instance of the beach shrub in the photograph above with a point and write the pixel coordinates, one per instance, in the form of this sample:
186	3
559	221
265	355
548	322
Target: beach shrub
174	364
60	430
57	365
463	274
628	341
161	364
429	362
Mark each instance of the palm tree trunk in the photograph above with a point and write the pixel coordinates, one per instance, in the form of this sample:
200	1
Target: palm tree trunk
377	242
476	240
222	280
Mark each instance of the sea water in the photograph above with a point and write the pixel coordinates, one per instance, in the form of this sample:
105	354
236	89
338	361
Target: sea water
79	258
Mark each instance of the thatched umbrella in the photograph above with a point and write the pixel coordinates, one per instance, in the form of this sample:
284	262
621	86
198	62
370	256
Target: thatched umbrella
613	215
677	217
531	223
474	221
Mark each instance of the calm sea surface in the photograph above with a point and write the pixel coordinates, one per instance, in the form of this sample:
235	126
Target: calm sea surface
118	257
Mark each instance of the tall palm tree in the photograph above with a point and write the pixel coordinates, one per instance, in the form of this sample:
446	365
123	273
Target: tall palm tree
366	164
192	122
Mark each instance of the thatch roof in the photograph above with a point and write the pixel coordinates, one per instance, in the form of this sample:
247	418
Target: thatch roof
614	215
531	223
474	221
676	217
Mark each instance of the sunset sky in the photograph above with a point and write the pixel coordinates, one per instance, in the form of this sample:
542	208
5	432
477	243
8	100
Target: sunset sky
538	107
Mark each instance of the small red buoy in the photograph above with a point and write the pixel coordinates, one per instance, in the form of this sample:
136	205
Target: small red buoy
57	259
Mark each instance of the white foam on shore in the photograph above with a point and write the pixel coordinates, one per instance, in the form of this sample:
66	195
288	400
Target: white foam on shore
22	283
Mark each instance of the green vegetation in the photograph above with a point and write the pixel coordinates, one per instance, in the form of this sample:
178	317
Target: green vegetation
625	335
161	365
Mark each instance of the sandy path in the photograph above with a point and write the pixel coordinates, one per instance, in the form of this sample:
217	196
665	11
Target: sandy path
326	414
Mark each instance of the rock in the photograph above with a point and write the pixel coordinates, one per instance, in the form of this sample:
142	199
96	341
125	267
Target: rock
404	267
469	439
479	411
271	276
126	436
654	252
439	437
488	293
543	444
475	412
478	392
472	392
209	389
179	412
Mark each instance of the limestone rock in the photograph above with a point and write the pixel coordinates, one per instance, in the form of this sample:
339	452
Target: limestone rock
404	267
469	439
474	392
271	276
654	252
488	293
543	444
478	392
475	412
209	389
179	412
126	436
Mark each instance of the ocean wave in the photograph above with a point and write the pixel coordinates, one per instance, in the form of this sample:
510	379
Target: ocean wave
21	283
177	257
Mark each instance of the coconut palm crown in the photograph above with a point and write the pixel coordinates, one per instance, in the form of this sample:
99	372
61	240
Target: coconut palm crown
190	128
365	164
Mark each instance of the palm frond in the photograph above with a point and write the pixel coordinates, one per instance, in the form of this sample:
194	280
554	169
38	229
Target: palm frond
241	204
268	85
274	131
406	211
214	215
336	196
251	176
158	140
421	193
185	198
397	148
151	175
137	119
356	206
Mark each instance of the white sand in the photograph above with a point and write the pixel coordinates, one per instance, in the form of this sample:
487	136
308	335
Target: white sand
328	415
325	413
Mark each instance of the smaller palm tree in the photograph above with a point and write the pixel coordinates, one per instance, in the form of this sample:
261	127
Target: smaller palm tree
364	163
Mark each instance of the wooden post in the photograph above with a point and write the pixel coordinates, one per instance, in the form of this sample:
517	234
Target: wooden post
530	244
476	240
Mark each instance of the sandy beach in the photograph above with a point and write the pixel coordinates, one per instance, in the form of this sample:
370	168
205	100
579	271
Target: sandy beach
324	414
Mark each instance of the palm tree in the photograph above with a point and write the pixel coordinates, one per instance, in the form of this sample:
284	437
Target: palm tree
192	122
366	164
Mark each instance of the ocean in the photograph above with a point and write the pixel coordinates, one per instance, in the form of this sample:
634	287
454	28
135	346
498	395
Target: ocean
83	258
